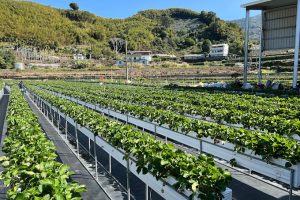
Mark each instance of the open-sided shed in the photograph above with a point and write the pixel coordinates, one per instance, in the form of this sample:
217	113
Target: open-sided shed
280	29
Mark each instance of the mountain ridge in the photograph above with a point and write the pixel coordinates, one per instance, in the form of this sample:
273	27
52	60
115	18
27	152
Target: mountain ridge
172	30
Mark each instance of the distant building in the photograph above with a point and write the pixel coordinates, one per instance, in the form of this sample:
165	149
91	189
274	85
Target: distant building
19	66
219	50
194	57
78	57
142	57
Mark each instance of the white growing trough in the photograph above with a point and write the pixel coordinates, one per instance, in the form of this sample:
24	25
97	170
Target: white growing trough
275	170
162	187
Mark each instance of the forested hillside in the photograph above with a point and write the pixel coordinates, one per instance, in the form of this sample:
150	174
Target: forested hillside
165	31
254	26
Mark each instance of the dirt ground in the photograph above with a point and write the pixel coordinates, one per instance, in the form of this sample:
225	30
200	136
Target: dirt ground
121	72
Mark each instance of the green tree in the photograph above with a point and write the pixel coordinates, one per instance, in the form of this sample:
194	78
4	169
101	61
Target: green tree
74	6
166	21
139	39
206	45
7	59
189	42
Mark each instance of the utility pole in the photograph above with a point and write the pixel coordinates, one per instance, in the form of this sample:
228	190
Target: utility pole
90	51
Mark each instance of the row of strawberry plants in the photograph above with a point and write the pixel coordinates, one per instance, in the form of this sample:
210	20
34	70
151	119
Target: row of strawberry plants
197	174
30	167
272	123
284	121
267	145
290	102
191	97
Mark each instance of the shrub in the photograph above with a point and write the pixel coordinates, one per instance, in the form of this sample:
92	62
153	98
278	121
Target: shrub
7	59
82	65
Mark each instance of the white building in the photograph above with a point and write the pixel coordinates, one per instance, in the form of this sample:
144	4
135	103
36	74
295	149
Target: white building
19	66
78	57
142	57
194	57
219	50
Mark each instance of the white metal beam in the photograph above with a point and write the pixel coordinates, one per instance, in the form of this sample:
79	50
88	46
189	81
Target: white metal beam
254	3
296	56
246	45
260	51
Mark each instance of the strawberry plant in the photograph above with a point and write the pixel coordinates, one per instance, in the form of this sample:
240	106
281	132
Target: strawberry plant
261	143
197	174
31	170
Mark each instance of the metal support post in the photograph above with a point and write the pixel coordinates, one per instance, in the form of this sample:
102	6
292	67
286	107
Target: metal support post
246	46
77	142
109	163
200	149
128	178
58	122
260	55
89	147
147	192
66	128
96	160
52	115
291	184
297	40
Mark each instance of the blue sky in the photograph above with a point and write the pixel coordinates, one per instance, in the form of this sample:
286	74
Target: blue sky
226	9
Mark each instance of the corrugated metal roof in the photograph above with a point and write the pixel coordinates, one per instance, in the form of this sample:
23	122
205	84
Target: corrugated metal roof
268	4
